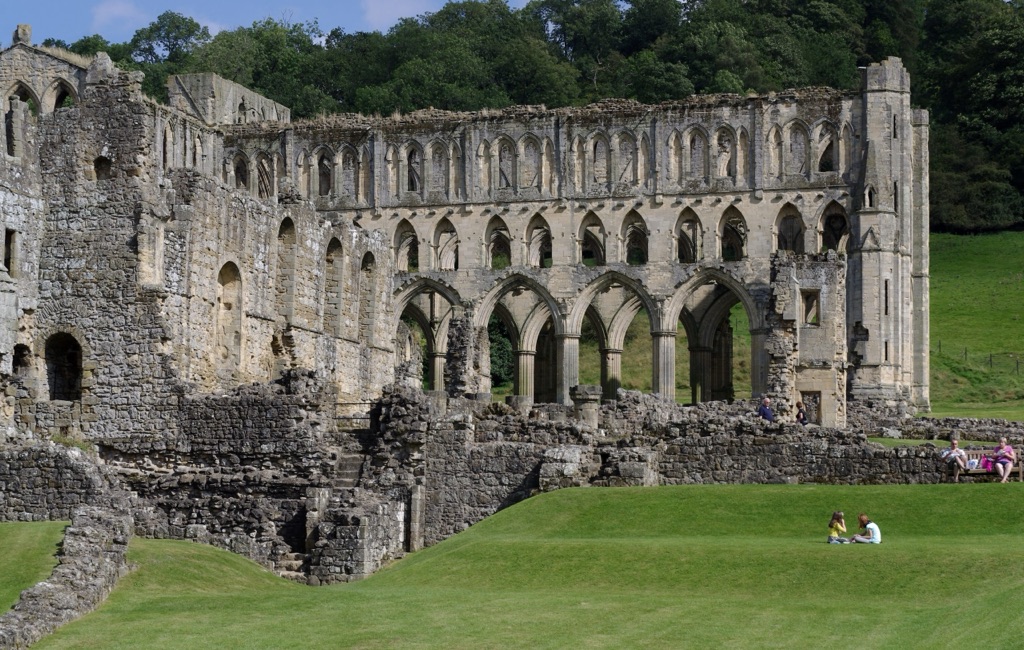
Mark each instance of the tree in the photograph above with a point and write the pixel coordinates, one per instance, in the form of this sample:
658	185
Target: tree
171	38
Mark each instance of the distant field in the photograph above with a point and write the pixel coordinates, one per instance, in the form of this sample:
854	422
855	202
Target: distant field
735	566
29	555
977	325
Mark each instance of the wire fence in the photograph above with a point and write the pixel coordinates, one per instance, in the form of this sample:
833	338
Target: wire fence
1004	362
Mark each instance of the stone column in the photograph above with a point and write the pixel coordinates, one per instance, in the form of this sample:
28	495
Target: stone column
524	372
437	361
663	363
758	364
611	372
568	366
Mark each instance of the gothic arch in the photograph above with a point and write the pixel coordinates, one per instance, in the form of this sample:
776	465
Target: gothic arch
634	236
538	243
725	152
532	167
789	230
626	162
484	168
579	164
407	248
365	176
284	285
675	158
264	176
834	228
600	160
391	172
24	93
510	283
549	182
689	236
240	166
446	245
673	308
697	154
324	158
846	150
228	321
742	157
57	94
333	283
438	171
348	186
507	162
826	148
498	242
585	298
591	241
732	233
420	285
798	149
413	159
302	168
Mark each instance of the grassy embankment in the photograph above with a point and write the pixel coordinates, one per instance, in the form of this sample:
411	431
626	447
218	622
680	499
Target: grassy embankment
977	315
27	557
691	566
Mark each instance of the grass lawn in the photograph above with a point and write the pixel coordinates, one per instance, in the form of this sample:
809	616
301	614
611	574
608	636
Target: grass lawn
732	566
29	555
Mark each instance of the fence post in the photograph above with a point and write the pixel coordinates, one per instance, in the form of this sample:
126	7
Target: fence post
990	360
965	354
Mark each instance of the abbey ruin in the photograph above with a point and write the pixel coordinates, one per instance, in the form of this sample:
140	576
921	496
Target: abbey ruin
228	306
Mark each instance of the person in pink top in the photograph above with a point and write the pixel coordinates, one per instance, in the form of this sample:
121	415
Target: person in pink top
1003	456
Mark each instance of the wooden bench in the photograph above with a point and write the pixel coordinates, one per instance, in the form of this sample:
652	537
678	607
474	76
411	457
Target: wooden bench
978	454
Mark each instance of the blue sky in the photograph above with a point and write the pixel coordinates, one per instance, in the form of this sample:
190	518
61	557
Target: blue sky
117	20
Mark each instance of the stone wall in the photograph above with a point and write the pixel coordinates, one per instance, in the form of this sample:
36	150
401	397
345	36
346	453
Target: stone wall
91	560
45	482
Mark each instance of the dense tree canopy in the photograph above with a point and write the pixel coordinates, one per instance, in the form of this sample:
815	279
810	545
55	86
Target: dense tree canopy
966	58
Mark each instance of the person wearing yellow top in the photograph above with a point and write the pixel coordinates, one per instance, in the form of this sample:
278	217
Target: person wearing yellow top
836	527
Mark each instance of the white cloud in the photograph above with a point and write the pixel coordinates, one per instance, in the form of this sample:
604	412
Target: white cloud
382	14
117	16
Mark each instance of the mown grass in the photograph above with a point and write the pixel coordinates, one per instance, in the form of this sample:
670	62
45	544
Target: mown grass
691	566
29	555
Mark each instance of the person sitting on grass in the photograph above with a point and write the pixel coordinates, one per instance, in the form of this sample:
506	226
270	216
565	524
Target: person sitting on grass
1003	457
836	526
869	533
955	457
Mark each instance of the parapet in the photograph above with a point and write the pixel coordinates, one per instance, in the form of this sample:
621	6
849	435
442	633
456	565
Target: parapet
219	102
888	75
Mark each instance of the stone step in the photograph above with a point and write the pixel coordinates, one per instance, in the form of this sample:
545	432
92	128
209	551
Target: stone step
294	576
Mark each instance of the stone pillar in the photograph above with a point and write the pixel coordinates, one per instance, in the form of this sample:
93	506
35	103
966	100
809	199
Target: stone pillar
663	363
437	361
567	364
524	372
587	400
611	372
758	364
416	513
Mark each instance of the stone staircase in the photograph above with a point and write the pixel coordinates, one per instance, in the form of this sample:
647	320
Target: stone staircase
293	566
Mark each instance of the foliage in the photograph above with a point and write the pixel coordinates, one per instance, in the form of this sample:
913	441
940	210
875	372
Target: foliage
503	358
966	58
632	567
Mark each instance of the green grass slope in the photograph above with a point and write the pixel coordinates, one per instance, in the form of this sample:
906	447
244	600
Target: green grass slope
691	566
29	555
977	325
